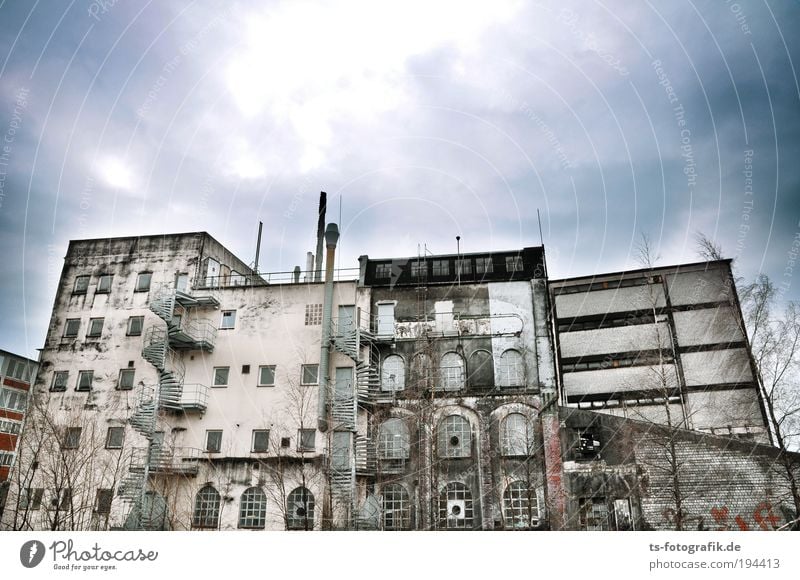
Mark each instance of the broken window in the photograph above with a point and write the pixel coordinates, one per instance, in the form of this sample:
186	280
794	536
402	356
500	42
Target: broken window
260	440
85	379
393	373
143	282
104	284
72	327
126	379
593	514
516	436
266	376
484	265
214	440
81	285
451	372
454	437
393	441
60	379
396	508
72	438
228	319
135	324
206	508
455	507
313	314
510	370
520	506
115	437
588	445
300	510
309	374
221	376
253	509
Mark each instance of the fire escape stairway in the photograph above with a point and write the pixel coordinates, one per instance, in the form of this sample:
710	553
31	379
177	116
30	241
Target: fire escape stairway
368	379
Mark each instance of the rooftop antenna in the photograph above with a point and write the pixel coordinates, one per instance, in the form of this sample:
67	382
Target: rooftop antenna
458	260
258	247
539	217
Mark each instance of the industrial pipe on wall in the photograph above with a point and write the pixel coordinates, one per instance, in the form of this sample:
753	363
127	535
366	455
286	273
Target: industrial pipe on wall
331	237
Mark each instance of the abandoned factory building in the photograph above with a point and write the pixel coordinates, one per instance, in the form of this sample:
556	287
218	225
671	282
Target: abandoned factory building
180	389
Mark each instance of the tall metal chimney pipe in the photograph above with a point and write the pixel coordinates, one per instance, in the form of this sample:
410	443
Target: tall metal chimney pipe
323	205
331	237
258	247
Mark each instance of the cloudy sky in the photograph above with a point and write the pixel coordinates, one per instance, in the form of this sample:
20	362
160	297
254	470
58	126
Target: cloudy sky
422	121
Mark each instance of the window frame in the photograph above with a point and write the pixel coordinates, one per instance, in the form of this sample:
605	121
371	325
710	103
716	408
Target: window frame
72	438
484	265
131	320
446	431
208	447
261	369
252	506
313	314
140	286
31	493
383	271
394	445
79	385
126	372
463	266
396	499
449	374
302	444
83	287
452	493
13	399
76	322
510	374
300	495
110	436
253	441
385	378
207	503
56	388
232	315
214	382
514	264
511	442
303	369
520	502
91	332
440	268
101	288
103	499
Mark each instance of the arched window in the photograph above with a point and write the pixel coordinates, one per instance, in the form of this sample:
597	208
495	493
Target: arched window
393	441
520	506
510	369
454	438
253	509
516	436
396	508
206	508
393	373
300	510
481	369
451	372
455	507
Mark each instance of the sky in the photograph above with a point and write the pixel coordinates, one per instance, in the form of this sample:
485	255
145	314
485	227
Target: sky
422	121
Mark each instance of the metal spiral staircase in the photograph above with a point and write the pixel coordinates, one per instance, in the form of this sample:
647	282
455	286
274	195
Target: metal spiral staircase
160	344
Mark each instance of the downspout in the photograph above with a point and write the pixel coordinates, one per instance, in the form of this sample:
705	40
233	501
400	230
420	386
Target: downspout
331	237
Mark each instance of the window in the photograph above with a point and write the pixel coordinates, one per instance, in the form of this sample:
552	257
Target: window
588	445
115	437
182	282
72	438
396	508
260	440
484	265
104	284
228	319
309	374
510	369
441	267
454	437
126	379
300	509
419	268
31	498
513	263
95	327
19	370
516	437
13	399
60	379
383	271
463	266
253	509
10	426
455	507
623	514
206	508
85	379
6	458
214	441
143	282
135	324
593	514
72	327
306	439
221	376
393	441
313	314
81	285
102	502
520	506
393	373
266	376
452	372
62	500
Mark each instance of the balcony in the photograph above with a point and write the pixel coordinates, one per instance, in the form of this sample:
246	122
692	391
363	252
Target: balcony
165	460
194	397
199	334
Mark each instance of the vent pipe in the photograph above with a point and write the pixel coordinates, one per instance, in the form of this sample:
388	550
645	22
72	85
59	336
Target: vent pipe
296	275
309	276
331	237
258	247
323	204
